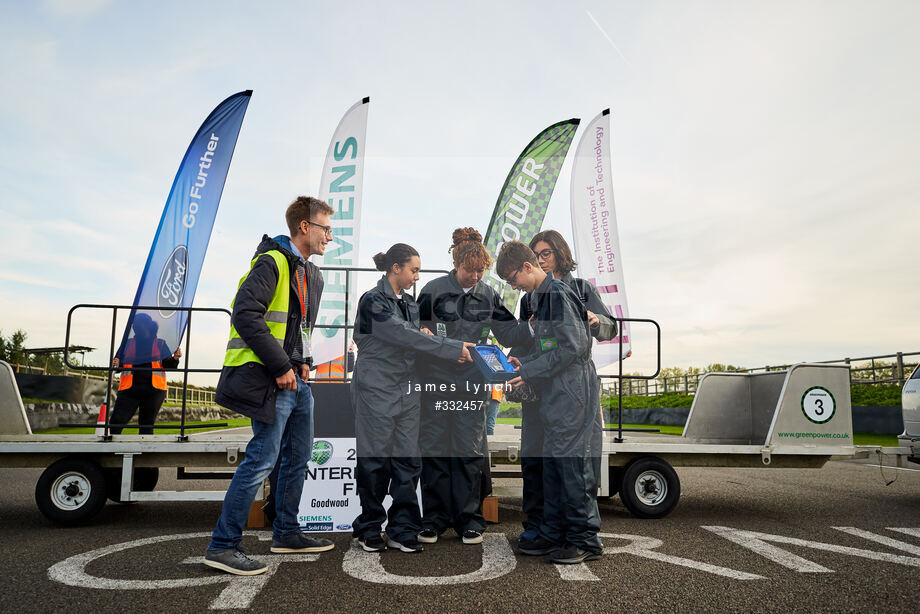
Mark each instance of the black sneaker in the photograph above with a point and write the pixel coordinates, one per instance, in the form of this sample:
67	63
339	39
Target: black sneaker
374	543
539	546
472	537
408	545
428	536
299	542
235	561
571	555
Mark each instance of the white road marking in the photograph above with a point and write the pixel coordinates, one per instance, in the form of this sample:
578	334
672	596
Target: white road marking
645	547
752	541
884	467
881	539
757	542
72	571
576	573
497	560
242	590
911	532
239	592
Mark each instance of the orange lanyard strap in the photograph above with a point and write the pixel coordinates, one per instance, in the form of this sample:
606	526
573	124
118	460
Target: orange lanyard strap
302	292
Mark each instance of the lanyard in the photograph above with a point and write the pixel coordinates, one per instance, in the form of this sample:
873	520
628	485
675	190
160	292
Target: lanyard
302	292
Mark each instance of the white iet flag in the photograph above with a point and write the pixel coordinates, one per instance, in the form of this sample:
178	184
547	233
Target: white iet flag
341	185
594	224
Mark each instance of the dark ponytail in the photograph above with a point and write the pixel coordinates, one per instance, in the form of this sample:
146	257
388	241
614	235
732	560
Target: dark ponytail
399	253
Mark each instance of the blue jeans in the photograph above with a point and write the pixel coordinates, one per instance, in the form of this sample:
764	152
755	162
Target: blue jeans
291	435
491	415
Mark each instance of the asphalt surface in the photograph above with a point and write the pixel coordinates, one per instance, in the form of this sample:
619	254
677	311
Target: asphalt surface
790	503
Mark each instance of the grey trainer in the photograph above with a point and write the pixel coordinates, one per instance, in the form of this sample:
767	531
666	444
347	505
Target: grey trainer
298	542
235	561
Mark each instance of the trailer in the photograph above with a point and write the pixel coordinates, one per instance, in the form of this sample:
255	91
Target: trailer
83	471
797	418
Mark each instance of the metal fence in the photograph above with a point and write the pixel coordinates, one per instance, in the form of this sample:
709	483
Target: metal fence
194	395
886	369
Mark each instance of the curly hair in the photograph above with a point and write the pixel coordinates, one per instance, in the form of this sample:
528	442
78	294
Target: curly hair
468	249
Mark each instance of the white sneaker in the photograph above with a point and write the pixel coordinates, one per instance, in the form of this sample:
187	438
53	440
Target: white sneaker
472	537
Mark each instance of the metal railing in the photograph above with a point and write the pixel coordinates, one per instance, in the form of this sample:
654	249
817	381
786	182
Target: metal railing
196	395
110	370
885	369
346	376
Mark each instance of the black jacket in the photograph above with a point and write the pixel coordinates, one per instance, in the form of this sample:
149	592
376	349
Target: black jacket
388	338
560	366
605	330
446	310
250	389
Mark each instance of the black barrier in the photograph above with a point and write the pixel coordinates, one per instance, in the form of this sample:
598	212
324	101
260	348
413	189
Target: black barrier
621	377
346	326
330	393
185	370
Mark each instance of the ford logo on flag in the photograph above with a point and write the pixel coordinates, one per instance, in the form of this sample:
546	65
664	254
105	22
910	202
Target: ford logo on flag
171	288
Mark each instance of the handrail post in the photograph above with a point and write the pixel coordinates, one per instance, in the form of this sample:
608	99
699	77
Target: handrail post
188	337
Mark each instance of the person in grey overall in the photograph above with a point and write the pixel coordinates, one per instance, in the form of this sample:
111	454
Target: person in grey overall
459	306
386	402
554	256
560	368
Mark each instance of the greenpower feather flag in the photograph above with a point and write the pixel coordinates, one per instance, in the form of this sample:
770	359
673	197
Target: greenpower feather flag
523	200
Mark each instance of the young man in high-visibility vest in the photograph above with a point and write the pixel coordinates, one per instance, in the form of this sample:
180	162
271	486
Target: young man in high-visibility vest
265	374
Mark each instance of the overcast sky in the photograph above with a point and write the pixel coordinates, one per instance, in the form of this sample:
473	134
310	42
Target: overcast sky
765	153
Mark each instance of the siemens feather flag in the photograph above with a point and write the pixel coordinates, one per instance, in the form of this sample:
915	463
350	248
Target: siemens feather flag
342	186
594	224
173	266
525	196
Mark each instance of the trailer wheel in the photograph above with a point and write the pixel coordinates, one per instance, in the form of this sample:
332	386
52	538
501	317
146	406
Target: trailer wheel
71	491
145	480
650	488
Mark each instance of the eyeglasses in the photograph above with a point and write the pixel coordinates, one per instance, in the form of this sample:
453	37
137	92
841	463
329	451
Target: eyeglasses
513	279
325	229
546	253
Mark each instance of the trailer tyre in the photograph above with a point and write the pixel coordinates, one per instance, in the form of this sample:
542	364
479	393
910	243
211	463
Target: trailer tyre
145	480
650	488
71	491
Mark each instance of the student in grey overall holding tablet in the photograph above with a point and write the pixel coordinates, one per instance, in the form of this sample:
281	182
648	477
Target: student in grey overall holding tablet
560	369
454	396
553	256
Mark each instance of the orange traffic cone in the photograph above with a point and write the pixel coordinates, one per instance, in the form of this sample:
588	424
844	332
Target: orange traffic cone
100	421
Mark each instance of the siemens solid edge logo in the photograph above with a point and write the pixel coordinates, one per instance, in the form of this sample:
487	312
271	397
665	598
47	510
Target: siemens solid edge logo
171	287
316	523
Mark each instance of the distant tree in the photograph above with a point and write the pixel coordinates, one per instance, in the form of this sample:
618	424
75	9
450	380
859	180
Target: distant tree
11	347
719	367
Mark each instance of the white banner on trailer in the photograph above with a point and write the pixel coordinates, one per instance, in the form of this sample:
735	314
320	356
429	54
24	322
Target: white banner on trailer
330	502
330	499
342	186
594	225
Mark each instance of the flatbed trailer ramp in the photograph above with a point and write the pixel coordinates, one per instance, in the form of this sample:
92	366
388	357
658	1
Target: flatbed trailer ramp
797	418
